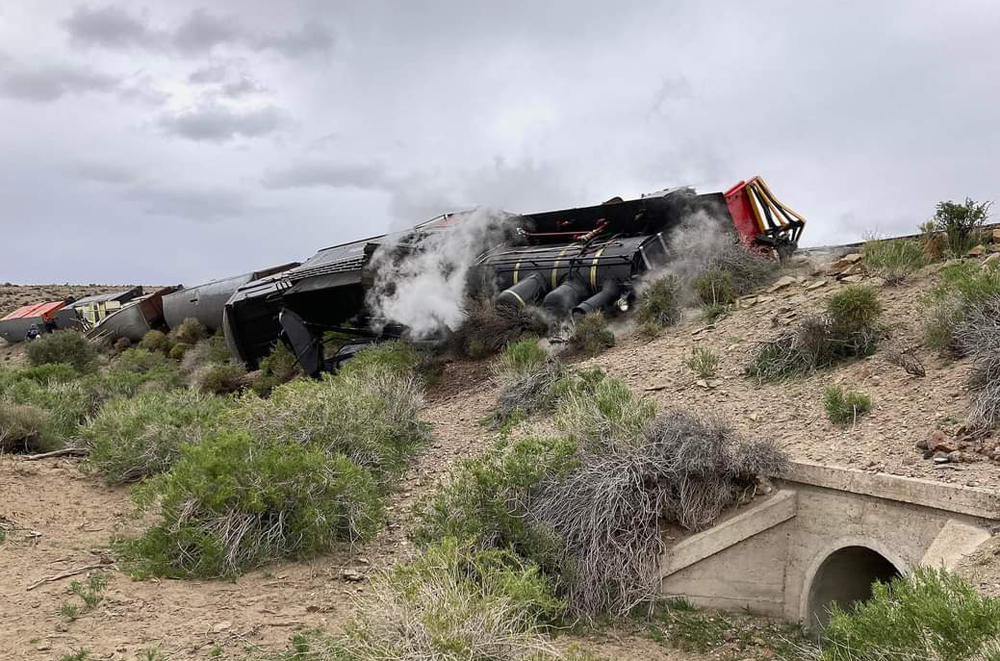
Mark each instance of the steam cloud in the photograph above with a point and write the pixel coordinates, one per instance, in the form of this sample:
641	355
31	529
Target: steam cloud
423	288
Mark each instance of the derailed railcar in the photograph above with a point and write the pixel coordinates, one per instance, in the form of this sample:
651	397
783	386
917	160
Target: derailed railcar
570	261
207	302
134	319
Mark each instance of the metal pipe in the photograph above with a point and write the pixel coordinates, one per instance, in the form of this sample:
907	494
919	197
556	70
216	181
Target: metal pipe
524	292
609	293
563	298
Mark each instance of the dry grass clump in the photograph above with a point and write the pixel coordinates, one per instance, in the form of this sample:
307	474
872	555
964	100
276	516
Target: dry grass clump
602	412
591	334
205	352
132	438
66	347
609	512
219	378
487	327
278	367
232	503
845	406
978	336
22	427
962	287
189	332
452	602
528	392
748	270
659	304
715	287
893	260
849	329
156	341
703	362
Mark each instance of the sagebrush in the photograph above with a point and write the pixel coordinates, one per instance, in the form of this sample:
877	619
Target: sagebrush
66	347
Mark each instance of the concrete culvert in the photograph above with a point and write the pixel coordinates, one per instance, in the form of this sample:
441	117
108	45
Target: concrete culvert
845	577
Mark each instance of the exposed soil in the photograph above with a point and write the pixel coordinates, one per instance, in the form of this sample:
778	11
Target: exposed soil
57	518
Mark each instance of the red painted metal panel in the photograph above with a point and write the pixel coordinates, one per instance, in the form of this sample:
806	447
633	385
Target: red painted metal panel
738	200
44	310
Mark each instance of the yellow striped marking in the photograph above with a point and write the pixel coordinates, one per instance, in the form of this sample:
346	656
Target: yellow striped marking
593	269
555	268
517	269
519	299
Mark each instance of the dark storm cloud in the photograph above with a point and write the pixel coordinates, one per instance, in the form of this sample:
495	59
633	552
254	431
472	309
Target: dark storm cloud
213	122
43	84
198	33
326	174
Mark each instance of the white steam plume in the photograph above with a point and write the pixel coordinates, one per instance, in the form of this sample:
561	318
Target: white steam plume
423	289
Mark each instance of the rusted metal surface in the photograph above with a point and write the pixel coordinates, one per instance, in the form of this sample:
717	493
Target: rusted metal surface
49	315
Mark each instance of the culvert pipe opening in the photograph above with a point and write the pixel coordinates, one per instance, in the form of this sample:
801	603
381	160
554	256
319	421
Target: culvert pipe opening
846	577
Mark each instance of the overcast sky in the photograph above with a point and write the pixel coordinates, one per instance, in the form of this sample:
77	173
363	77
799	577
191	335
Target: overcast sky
183	141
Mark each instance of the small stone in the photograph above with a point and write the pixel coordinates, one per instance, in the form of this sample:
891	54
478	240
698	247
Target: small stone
977	251
922	444
43	646
781	283
352	575
702	383
853	278
222	626
816	285
936	438
941	458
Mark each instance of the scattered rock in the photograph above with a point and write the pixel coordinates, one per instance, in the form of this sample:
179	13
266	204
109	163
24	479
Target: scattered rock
977	251
225	625
816	285
941	458
781	283
853	278
938	442
991	261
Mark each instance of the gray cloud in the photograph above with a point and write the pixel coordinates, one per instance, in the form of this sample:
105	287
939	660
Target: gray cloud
212	122
111	27
45	84
198	33
326	174
101	173
210	73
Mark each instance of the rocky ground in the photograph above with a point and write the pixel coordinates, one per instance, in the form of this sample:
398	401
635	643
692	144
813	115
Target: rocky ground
57	519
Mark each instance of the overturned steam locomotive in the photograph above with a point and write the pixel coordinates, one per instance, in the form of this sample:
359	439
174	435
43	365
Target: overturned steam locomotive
570	261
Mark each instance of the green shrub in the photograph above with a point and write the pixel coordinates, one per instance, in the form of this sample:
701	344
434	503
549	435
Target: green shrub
22	427
610	414
659	304
370	417
178	350
962	286
156	341
893	260
67	347
929	614
212	351
711	313
855	308
219	378
961	223
276	368
132	438
703	362
394	357
138	361
591	335
518	358
49	373
190	332
67	404
483	501
845	406
453	602
715	287
232	503
487	327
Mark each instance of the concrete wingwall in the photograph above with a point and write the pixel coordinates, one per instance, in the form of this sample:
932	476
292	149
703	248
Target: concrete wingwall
823	536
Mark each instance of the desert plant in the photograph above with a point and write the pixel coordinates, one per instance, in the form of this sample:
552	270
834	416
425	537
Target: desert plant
715	286
369	415
608	512
453	602
893	260
517	359
487	327
961	223
232	503
92	591
121	344
703	362
659	303
49	373
854	309
591	334
844	405
66	404
22	427
928	614
66	347
714	311
398	358
276	368
606	415
211	351
748	270
156	341
963	286
483	502
138	360
528	391
190	332
132	438
978	336
219	378
178	350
